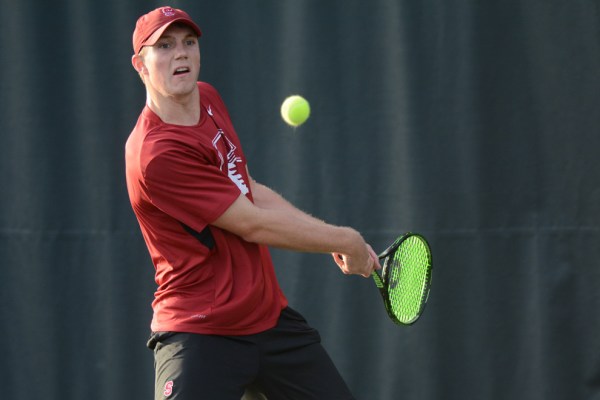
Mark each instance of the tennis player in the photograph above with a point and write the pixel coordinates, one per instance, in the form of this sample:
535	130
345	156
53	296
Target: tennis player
221	323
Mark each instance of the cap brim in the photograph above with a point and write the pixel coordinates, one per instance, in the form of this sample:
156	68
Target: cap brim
152	39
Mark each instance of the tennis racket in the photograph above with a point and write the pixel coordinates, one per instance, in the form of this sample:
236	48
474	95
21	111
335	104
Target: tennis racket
405	278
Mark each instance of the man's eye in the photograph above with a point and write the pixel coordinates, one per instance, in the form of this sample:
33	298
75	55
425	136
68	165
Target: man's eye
190	42
163	45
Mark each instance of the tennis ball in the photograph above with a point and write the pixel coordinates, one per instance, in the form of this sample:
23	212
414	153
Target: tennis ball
295	110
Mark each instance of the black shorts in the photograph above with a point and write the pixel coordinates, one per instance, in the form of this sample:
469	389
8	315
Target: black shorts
285	362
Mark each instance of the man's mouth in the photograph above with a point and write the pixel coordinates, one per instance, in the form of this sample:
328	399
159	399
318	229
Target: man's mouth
181	70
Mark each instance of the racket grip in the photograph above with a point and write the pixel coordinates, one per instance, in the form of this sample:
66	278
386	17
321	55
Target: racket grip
377	279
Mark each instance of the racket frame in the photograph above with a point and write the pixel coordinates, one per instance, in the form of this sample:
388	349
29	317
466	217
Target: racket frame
382	281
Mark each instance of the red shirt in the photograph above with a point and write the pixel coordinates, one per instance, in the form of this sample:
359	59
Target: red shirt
182	177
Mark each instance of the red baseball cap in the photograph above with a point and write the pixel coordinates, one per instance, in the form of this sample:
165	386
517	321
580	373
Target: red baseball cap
150	27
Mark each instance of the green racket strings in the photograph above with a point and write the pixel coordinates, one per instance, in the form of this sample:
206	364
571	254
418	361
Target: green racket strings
408	279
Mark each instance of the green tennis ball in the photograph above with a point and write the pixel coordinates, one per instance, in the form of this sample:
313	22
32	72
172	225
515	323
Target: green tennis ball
295	110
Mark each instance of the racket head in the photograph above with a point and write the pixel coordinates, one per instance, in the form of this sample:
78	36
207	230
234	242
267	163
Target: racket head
406	278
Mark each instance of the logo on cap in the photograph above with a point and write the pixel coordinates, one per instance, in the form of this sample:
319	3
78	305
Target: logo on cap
168	12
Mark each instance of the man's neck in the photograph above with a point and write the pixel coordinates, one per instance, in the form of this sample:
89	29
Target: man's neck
184	110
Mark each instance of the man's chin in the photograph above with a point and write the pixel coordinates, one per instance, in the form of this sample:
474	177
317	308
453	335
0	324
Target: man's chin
183	88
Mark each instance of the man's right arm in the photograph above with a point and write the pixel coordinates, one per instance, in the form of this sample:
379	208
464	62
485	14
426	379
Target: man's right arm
278	228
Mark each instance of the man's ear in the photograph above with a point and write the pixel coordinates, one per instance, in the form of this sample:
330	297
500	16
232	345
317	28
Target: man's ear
138	63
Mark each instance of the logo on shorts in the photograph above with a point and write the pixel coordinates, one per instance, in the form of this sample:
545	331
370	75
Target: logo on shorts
168	389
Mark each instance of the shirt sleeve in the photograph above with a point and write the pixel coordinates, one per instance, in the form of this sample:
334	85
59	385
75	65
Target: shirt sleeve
185	185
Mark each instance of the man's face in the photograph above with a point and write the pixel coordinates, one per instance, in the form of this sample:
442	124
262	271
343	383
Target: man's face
172	64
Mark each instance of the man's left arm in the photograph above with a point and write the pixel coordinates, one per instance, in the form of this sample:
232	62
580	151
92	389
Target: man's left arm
265	197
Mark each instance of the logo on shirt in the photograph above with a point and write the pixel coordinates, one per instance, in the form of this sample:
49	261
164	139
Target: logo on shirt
221	142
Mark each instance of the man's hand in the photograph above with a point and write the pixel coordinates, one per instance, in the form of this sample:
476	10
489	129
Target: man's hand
362	264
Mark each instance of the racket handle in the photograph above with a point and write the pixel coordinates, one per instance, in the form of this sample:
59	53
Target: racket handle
377	279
